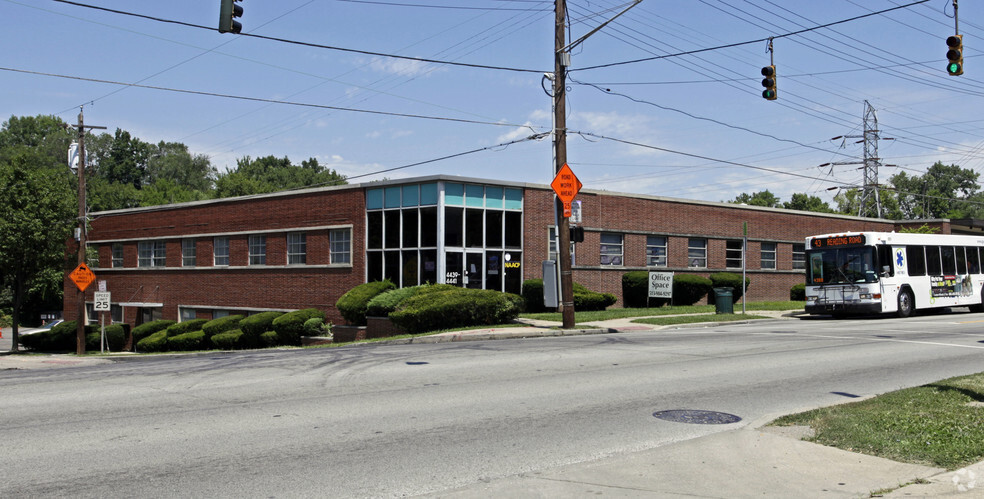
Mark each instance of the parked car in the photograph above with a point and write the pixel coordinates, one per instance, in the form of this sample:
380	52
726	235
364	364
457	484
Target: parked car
44	327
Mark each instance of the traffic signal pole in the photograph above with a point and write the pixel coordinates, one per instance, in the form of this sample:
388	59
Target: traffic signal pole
561	60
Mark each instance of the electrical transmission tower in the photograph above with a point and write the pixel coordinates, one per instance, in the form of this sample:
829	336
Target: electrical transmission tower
869	203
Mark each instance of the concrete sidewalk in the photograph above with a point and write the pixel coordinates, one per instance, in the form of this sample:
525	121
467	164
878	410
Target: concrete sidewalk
750	460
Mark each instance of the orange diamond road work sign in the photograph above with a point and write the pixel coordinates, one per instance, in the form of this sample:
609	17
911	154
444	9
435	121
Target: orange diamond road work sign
566	185
82	276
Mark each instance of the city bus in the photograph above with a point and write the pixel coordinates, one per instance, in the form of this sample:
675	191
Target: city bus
859	273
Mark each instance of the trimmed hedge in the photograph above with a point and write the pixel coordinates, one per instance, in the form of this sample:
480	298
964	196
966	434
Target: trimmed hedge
227	340
728	280
270	339
456	307
115	338
185	327
148	328
532	291
585	299
186	342
156	342
635	289
352	305
60	338
798	292
255	325
689	289
290	326
221	325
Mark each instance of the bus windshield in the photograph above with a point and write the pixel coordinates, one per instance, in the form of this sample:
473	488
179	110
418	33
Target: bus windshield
841	266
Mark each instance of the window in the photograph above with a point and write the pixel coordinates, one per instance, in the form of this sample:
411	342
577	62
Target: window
656	251
220	251
734	254
117	255
296	248
611	249
697	253
151	254
768	253
340	241
799	257
188	258
933	265
915	258
257	250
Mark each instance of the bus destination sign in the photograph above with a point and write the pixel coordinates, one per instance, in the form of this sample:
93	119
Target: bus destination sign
839	241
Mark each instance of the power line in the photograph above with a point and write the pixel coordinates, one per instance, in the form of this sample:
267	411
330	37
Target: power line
304	44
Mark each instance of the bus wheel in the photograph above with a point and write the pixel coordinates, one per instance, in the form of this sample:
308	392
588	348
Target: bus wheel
906	303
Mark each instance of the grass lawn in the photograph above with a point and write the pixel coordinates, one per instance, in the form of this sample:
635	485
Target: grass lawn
940	424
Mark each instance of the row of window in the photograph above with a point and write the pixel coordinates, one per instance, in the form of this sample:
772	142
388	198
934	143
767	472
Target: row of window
943	260
612	252
154	253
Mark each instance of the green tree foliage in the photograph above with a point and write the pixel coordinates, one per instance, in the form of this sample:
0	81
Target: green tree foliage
37	213
761	198
271	174
944	191
806	202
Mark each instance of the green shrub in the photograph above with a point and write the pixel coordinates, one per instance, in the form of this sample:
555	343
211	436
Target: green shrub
156	342
270	339
148	328
533	295
290	326
185	327
689	289
60	338
115	338
316	327
585	299
187	342
227	340
257	324
455	307
798	292
221	325
352	305
729	280
635	289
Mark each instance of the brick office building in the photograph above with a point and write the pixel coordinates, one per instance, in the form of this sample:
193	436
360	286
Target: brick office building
300	249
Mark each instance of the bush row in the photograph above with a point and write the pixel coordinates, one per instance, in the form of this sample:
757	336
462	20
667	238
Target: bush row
584	298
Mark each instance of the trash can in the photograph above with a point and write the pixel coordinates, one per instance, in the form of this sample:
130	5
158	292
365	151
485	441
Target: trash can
722	301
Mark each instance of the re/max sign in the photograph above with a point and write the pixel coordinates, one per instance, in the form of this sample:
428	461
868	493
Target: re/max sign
824	242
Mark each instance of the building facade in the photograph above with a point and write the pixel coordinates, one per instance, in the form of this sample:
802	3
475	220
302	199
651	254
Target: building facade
303	249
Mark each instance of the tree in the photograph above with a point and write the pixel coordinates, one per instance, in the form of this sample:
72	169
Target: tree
48	134
37	213
172	161
271	174
120	159
761	198
805	202
944	191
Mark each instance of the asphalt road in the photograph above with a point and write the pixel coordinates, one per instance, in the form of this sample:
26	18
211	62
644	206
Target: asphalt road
400	420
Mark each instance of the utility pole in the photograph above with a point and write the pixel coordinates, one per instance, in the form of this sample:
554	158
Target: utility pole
83	220
562	59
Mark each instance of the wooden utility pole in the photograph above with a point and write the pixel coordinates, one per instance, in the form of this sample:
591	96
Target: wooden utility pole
83	219
561	61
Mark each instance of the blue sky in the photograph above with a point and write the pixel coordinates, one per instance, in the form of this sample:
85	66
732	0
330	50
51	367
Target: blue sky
690	126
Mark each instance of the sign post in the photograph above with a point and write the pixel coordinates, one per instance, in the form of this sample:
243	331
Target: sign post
102	304
82	277
661	285
565	185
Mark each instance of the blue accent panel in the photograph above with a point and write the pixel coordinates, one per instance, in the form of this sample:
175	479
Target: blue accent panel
493	197
374	199
514	199
428	194
392	197
410	195
454	194
474	196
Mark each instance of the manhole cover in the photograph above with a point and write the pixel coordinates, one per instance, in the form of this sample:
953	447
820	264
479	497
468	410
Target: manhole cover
697	417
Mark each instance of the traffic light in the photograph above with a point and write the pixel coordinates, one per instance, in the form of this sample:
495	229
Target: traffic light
769	82
954	55
228	10
577	234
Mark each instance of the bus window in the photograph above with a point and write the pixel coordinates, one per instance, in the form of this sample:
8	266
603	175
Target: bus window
933	266
886	267
949	262
916	260
961	260
973	260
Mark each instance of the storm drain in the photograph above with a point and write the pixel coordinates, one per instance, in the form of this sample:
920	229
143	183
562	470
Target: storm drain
696	417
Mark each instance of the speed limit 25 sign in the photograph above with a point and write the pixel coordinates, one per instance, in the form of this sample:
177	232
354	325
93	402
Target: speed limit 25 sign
101	301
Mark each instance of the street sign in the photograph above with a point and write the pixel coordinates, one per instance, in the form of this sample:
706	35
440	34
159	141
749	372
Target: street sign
101	301
82	276
661	284
566	185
